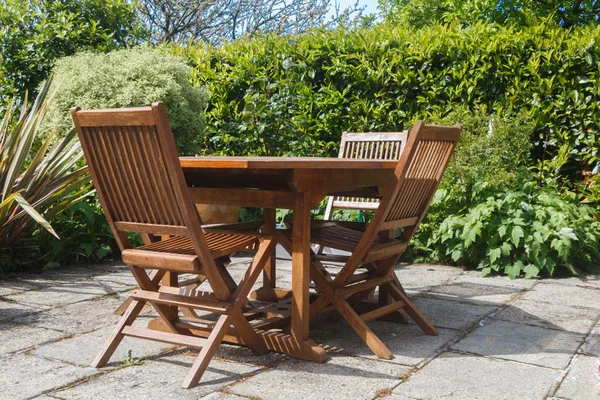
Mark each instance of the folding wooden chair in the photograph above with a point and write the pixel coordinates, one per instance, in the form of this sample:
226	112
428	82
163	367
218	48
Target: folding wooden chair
369	146
135	167
404	204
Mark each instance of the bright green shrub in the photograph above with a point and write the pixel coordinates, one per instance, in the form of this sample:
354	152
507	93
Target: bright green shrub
130	78
531	231
380	79
34	34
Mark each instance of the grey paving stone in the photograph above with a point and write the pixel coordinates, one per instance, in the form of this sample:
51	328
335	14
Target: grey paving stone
24	376
525	343
588	281
581	381
554	316
458	376
15	337
222	396
80	317
121	277
341	377
592	345
82	349
475	293
566	295
68	293
408	344
495	280
243	354
449	314
12	309
158	379
14	286
422	277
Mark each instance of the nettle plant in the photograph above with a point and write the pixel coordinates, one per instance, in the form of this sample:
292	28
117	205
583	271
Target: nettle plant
530	231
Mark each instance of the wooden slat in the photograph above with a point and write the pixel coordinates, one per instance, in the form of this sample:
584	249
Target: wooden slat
383	251
294	163
181	301
156	229
379	312
400	223
112	117
359	287
165	337
243	197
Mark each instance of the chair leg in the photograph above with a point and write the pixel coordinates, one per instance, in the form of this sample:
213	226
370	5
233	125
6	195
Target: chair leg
113	341
369	337
398	294
207	352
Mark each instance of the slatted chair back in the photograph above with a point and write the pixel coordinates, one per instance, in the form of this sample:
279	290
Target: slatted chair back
135	167
407	197
418	176
134	164
369	146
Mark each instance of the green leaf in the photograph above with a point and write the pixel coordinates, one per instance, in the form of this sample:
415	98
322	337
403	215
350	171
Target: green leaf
494	254
516	235
531	271
34	214
514	270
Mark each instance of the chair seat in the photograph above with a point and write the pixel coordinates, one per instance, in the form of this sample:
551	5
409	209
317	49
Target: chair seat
340	236
178	254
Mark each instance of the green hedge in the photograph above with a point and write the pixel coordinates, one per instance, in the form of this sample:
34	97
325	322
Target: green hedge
274	95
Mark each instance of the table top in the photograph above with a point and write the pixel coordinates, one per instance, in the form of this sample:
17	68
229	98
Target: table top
257	162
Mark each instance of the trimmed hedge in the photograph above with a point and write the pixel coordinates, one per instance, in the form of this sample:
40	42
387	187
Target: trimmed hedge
279	95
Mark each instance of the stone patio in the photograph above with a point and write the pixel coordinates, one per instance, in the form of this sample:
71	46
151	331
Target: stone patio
499	339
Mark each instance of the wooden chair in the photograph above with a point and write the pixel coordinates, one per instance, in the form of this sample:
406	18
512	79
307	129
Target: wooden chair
404	204
134	164
370	146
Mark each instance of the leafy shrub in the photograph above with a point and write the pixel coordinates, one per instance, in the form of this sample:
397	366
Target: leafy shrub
385	77
130	78
493	154
35	184
34	34
531	231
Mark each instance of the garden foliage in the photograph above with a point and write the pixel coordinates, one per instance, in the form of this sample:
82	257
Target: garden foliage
35	184
274	94
34	34
129	78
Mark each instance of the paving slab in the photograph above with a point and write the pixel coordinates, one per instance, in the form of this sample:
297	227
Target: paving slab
243	354
14	286
341	377
68	293
524	343
591	347
223	396
475	293
15	337
82	349
494	280
581	381
450	314
460	376
24	376
80	317
422	277
555	316
10	309
408	344
566	295
158	379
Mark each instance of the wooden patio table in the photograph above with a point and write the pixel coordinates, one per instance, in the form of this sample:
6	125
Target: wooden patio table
297	183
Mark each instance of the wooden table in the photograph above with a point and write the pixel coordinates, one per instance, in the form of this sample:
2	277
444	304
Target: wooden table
297	183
